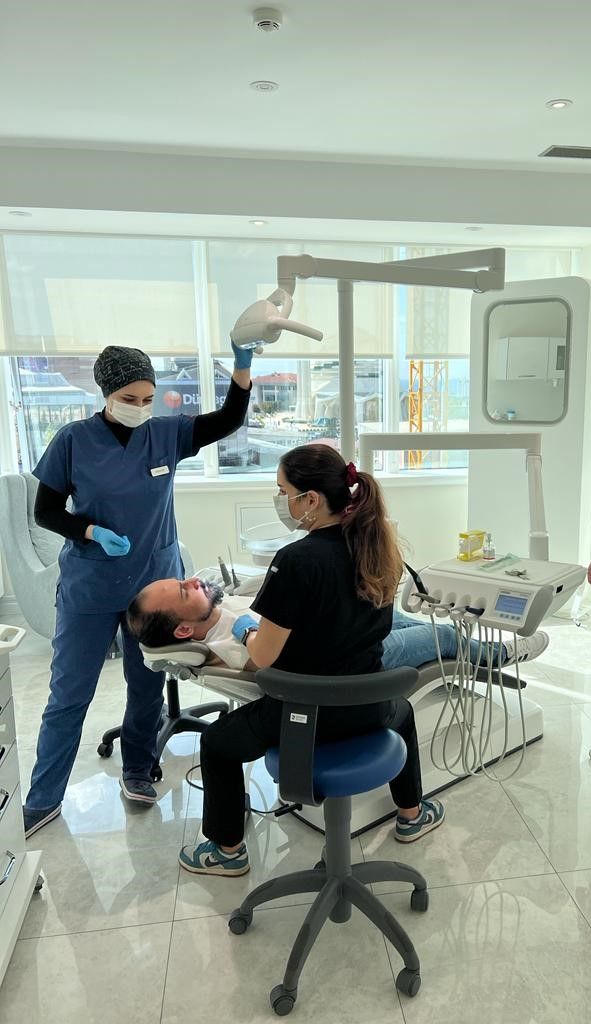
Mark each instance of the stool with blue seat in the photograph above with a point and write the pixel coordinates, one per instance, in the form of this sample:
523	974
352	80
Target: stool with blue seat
330	774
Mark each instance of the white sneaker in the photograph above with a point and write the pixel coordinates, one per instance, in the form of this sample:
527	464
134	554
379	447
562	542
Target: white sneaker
526	649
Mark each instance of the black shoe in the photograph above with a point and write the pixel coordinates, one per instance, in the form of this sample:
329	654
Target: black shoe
140	791
36	819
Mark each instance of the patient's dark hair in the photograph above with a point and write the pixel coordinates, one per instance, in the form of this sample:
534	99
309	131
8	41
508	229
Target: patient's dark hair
154	629
370	537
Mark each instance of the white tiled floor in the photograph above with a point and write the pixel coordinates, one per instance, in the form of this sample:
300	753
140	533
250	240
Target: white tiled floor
119	933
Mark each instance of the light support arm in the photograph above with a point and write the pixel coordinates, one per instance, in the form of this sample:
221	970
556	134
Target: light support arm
530	443
480	270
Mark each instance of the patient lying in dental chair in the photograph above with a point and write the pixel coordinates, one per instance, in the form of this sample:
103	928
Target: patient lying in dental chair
171	611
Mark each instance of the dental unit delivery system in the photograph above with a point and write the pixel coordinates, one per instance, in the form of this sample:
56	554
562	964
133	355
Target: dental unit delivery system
484	597
510	594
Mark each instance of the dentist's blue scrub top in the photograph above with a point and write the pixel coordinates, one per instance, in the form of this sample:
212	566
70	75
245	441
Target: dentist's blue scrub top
114	486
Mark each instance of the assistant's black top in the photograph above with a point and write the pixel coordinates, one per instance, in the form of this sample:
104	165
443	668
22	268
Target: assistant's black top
310	589
50	505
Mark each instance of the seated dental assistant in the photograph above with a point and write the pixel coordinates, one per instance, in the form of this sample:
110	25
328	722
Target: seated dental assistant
118	468
325	607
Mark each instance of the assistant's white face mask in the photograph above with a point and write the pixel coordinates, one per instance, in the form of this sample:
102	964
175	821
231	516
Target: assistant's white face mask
281	503
130	415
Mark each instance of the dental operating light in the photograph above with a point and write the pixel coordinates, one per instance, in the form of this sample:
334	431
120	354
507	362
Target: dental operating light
262	323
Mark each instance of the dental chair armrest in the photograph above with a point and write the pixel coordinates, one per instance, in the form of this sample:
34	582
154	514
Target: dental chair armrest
337	691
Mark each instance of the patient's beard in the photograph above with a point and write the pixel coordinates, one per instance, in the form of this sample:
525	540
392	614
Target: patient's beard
213	593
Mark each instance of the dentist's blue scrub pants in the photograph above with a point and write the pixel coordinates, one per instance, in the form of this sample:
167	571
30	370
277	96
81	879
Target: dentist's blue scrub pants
113	486
80	647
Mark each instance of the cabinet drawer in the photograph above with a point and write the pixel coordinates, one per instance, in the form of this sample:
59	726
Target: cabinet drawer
9	779
7	734
5	691
12	846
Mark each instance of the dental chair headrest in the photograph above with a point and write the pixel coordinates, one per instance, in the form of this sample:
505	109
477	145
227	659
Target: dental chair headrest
188	652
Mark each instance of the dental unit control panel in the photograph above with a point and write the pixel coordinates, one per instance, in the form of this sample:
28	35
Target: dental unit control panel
509	593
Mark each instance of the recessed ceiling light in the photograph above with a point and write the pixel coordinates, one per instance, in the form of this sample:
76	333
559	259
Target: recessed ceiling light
259	223
559	104
473	227
20	213
264	86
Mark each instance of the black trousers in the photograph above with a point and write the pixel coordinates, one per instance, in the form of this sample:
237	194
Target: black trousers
246	734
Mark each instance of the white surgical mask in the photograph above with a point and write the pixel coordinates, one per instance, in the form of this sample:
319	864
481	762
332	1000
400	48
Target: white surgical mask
281	503
130	415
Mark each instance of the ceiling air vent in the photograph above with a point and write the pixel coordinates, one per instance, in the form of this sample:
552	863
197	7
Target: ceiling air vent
570	152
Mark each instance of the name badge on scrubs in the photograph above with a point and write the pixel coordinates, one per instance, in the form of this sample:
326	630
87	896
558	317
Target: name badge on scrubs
159	471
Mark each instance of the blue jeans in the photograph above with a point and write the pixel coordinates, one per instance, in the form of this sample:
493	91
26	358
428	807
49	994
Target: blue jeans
80	647
411	642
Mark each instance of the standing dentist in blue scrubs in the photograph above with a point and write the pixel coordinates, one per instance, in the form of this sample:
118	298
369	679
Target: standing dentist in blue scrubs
118	468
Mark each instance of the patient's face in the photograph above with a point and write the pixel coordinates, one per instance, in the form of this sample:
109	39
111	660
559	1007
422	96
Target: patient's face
190	600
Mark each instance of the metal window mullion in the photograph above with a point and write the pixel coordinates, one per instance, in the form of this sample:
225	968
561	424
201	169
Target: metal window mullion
206	364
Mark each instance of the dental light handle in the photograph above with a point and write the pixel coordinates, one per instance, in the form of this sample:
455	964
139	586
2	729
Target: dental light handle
296	328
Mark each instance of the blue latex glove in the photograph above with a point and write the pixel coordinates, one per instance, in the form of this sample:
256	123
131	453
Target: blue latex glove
242	357
110	542
243	622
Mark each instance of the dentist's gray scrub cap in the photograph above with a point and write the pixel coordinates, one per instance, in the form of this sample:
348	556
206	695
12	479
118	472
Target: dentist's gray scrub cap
116	367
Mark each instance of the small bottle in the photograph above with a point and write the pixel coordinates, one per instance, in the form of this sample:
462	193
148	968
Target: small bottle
488	548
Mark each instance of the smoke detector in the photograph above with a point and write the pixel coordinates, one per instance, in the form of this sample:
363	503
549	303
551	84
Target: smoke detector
267	19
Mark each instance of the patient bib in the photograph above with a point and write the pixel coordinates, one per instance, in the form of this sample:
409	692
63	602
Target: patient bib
220	641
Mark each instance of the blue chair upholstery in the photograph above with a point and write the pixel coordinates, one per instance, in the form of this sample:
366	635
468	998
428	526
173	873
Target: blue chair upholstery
351	766
330	774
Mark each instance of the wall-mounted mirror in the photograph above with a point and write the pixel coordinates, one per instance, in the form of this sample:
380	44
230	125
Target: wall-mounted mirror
526	361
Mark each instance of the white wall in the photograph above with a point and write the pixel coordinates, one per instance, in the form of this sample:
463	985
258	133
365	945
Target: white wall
429	517
99	179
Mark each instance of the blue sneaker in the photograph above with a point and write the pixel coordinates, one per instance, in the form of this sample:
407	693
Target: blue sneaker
139	791
209	859
33	820
431	815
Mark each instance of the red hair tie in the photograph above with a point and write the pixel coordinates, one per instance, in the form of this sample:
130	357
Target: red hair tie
351	478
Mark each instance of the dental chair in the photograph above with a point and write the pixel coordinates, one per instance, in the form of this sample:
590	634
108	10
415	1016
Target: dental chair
187	660
329	774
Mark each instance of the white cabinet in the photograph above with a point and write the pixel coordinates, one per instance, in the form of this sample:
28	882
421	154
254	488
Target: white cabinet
530	358
19	869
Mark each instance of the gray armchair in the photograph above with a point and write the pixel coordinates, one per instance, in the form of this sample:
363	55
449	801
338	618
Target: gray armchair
31	552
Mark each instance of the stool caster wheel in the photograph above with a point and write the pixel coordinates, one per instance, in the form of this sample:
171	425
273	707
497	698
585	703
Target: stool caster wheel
239	921
282	1001
104	749
39	883
156	773
408	982
419	900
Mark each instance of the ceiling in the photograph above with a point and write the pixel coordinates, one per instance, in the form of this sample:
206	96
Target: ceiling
459	83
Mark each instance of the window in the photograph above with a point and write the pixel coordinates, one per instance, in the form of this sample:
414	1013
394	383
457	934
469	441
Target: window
65	297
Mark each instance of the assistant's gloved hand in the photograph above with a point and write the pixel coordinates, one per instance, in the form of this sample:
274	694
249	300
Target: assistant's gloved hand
242	357
243	624
110	542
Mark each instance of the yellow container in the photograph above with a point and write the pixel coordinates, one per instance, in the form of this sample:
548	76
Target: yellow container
470	545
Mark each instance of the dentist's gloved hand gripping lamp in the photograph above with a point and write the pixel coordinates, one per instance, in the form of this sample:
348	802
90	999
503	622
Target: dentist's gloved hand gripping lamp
262	323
